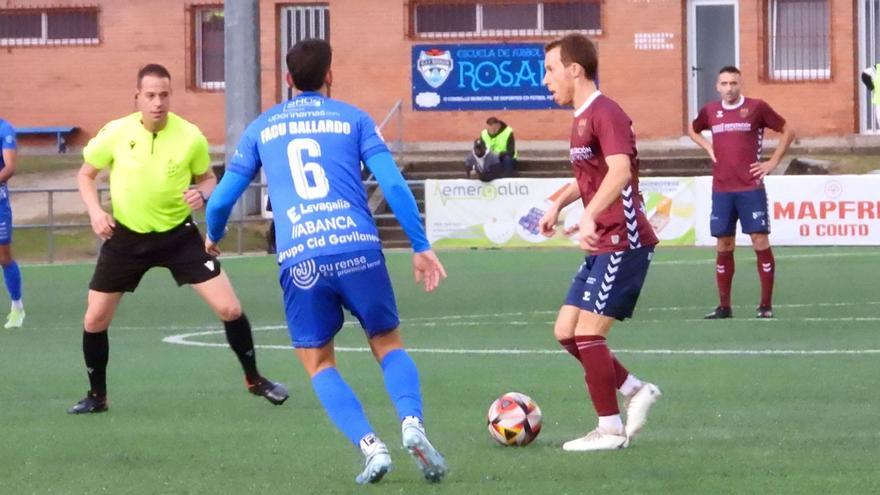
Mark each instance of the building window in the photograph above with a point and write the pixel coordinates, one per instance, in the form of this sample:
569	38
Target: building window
472	19
48	27
209	48
799	40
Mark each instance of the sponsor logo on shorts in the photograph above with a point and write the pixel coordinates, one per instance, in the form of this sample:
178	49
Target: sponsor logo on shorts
347	266
305	275
209	265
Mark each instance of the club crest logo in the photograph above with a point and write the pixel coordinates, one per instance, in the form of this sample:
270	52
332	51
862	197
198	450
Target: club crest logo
435	65
582	127
743	112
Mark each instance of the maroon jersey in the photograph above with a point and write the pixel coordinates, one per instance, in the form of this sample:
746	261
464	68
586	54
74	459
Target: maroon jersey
737	136
600	129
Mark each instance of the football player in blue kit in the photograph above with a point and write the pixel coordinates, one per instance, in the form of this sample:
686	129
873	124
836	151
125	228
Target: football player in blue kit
329	250
11	273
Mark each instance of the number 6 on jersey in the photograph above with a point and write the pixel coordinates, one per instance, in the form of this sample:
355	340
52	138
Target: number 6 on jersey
319	186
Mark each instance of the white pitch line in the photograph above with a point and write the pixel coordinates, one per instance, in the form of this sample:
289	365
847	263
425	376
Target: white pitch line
467	320
226	257
707	261
183	339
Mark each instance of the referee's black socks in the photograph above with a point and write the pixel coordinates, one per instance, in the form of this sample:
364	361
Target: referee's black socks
241	340
96	351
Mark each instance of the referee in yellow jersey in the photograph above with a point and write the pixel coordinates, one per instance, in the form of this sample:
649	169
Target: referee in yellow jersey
153	157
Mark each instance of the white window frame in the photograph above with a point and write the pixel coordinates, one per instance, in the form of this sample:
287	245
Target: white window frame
492	33
44	40
794	74
198	47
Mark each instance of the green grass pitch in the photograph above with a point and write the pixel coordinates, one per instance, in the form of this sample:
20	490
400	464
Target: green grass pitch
782	406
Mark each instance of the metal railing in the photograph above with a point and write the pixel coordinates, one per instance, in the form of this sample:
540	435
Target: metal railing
52	225
376	197
409	182
396	110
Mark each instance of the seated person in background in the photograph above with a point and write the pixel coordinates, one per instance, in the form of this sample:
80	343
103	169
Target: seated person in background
483	162
498	137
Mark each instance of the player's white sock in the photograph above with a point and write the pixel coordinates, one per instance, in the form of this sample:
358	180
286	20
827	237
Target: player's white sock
369	443
411	421
17	304
631	385
611	424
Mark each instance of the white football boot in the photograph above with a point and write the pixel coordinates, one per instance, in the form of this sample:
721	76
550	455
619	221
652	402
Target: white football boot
637	407
429	460
596	440
377	461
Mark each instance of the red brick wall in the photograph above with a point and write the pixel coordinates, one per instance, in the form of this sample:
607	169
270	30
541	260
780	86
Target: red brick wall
88	85
815	108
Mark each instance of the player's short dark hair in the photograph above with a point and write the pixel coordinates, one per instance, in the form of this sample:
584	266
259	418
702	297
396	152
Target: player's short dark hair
152	70
578	49
308	62
730	69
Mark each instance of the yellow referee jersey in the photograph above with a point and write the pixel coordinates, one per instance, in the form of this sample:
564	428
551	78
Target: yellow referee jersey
149	172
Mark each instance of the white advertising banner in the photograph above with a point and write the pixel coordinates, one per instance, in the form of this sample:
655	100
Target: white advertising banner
506	212
809	210
813	210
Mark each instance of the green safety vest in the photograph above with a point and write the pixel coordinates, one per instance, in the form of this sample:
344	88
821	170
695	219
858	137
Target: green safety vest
498	144
875	96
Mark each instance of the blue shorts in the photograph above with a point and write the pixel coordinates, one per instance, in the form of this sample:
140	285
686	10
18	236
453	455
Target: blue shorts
749	207
5	219
609	284
316	290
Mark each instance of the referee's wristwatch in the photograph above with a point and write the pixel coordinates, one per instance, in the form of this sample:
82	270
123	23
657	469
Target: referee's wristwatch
202	194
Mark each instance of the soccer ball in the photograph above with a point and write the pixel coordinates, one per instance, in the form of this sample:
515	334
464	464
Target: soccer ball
514	419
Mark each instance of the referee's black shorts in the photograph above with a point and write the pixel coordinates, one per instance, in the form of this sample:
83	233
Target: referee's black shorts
127	255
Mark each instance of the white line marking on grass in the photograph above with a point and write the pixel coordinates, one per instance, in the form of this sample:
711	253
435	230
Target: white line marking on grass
775	306
468	320
780	257
184	339
407	250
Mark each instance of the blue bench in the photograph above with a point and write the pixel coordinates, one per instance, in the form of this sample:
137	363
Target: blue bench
58	131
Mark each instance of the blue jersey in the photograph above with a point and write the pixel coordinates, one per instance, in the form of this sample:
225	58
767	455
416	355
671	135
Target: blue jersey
7	139
310	149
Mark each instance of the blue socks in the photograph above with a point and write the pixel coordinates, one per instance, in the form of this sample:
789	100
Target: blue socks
344	408
12	277
341	404
402	383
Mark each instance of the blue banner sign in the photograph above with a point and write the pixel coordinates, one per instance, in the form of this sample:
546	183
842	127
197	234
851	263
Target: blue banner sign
479	77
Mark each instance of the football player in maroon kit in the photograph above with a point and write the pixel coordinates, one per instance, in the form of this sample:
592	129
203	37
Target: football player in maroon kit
737	124
615	233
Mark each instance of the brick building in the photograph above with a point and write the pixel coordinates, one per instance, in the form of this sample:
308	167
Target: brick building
73	62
